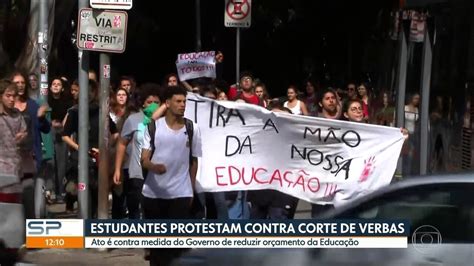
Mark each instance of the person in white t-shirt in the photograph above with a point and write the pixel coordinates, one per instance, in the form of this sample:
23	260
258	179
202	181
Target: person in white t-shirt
411	113
169	186
411	123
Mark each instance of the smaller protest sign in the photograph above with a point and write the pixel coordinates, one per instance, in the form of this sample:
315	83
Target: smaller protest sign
196	65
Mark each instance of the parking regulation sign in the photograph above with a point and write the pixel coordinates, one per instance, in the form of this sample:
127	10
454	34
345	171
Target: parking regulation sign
111	4
100	30
237	13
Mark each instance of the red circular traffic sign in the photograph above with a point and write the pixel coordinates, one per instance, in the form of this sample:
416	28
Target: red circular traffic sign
238	9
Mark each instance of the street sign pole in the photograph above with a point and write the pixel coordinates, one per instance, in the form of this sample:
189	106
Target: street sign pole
43	50
401	90
425	102
83	178
39	198
103	208
237	56
104	31
198	26
237	14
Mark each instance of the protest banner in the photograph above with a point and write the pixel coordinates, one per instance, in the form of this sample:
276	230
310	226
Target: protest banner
247	147
196	65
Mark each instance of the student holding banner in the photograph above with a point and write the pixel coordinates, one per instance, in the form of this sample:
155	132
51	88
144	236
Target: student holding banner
331	109
330	105
269	203
245	91
354	112
214	202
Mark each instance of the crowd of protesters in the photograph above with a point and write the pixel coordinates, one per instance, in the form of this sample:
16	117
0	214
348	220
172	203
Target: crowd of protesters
40	138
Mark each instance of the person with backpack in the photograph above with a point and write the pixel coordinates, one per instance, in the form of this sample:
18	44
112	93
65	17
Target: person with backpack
170	150
128	169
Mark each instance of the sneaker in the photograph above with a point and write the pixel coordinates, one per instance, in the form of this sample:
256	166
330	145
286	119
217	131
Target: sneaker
48	196
60	200
22	252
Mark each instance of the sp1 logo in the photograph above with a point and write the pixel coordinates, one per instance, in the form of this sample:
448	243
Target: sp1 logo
42	227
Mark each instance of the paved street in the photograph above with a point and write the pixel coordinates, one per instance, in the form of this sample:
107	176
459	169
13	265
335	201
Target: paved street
86	257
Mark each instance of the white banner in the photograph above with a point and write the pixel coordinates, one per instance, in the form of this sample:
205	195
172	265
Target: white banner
196	65
246	147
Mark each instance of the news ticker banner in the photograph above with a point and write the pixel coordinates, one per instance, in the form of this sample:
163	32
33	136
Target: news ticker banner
76	233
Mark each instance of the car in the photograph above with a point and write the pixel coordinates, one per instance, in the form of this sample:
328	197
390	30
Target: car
443	204
12	221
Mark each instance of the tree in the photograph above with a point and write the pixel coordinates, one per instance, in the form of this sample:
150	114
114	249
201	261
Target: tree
19	24
28	59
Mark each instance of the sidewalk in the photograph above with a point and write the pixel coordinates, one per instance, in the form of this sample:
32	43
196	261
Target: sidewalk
85	257
80	256
96	257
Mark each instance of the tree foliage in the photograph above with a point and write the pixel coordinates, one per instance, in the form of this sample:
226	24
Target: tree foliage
19	24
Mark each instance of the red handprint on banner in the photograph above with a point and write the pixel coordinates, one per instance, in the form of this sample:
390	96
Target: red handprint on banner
369	166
